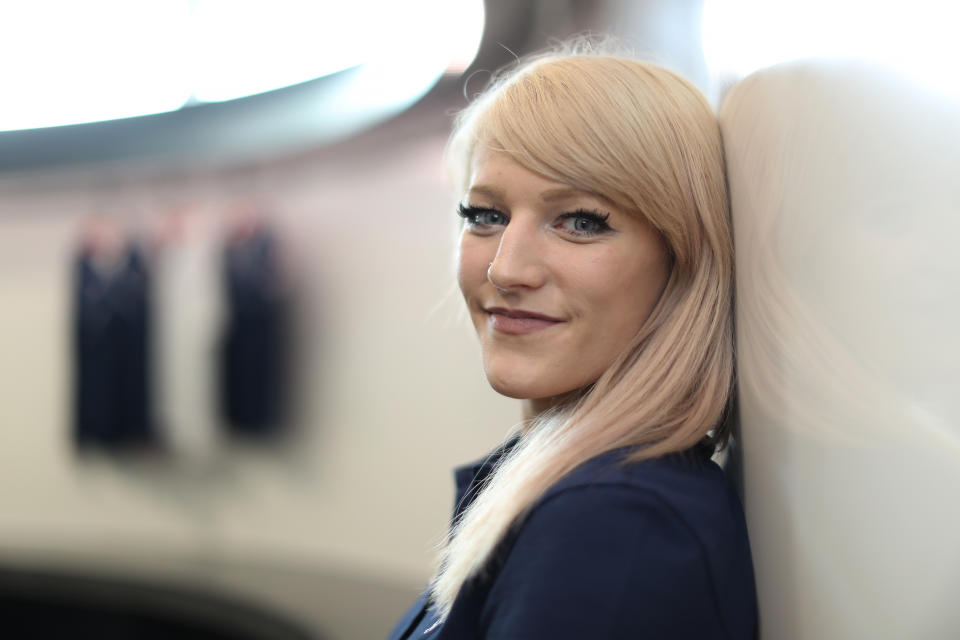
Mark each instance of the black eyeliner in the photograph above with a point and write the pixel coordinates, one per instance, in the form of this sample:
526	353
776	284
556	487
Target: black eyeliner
594	216
470	213
466	211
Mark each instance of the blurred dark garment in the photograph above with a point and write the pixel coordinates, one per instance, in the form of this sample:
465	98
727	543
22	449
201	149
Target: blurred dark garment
253	353
111	350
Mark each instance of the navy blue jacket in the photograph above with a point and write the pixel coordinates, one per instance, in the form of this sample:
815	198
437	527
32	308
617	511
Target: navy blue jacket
650	550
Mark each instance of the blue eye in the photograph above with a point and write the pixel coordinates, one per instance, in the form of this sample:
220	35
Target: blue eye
584	223
481	216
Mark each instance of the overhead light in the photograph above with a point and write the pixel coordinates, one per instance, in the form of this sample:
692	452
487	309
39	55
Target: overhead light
108	59
73	62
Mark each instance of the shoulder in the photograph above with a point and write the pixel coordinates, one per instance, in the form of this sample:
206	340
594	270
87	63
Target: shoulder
687	488
682	471
615	550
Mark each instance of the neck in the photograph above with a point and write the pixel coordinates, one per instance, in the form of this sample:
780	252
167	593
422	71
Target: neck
533	408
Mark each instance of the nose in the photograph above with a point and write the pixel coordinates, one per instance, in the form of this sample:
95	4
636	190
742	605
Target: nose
519	262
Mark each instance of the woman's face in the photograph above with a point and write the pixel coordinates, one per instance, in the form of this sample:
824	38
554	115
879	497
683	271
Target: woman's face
558	281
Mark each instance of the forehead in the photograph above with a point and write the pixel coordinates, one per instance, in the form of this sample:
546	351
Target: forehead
496	175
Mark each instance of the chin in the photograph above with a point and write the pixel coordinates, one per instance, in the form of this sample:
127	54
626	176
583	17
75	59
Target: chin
526	387
508	390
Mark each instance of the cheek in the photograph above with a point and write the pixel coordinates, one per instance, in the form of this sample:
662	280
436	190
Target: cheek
624	294
472	263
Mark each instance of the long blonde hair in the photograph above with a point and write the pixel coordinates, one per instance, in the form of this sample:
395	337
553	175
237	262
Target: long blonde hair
646	139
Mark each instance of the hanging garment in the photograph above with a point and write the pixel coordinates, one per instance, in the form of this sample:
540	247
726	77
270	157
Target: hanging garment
252	358
187	320
111	353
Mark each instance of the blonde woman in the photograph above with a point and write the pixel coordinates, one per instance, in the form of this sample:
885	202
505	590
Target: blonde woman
596	263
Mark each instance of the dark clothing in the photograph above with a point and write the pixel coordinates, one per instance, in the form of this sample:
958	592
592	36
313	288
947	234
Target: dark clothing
252	366
650	550
111	349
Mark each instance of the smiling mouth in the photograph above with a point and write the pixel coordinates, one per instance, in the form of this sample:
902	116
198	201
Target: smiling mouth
519	322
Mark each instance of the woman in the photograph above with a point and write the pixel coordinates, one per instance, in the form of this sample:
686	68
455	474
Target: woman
596	263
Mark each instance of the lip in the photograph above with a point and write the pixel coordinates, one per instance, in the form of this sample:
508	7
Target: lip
519	321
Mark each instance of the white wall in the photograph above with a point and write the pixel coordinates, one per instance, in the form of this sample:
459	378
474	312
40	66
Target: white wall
845	205
396	395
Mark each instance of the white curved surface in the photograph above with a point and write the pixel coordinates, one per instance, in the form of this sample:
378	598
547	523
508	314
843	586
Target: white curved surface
845	191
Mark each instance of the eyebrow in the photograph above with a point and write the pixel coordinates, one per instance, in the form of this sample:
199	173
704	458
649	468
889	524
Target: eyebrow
562	193
550	195
489	192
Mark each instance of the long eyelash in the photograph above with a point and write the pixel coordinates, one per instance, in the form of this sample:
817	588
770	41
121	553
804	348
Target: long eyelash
468	212
472	215
596	216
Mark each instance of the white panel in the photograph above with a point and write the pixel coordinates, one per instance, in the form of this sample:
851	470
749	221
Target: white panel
845	187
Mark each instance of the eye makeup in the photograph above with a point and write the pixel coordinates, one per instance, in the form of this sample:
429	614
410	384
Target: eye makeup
481	216
584	223
581	222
